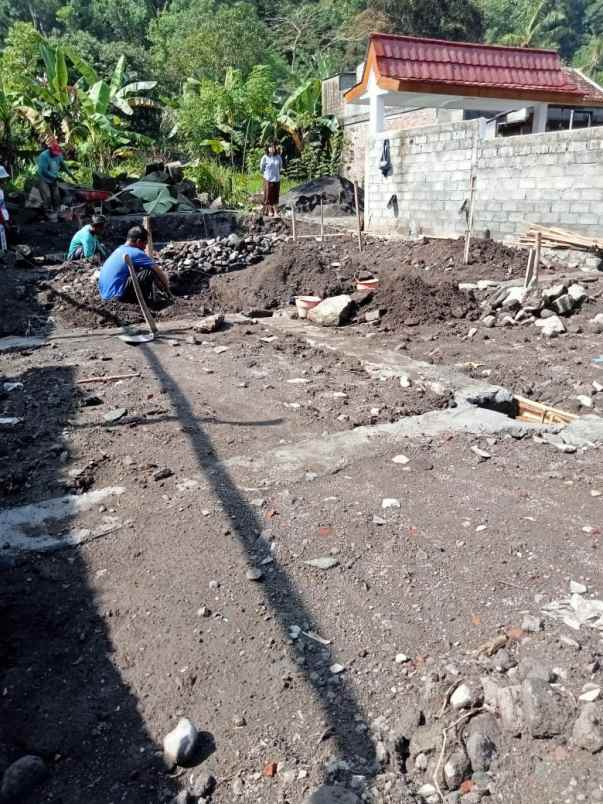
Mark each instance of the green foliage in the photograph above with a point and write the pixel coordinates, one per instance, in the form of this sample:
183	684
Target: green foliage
321	157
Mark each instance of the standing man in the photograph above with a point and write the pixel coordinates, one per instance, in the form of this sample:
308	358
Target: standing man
114	282
50	163
85	244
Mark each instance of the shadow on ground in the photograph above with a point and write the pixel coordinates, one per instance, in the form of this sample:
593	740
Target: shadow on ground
62	697
342	711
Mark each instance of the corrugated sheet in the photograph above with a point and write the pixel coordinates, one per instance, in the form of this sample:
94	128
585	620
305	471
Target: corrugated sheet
409	58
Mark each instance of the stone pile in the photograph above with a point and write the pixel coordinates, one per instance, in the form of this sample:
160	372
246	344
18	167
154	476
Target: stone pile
546	307
217	255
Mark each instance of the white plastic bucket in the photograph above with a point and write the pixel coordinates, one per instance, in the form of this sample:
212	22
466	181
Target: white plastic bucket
305	303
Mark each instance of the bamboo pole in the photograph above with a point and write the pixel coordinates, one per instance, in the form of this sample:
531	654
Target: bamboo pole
293	225
469	221
537	258
358	224
528	276
322	221
146	222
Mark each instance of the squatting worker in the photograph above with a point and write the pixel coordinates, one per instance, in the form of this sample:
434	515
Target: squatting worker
50	163
86	244
114	282
270	168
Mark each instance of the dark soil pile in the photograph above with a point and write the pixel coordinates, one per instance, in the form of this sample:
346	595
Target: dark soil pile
304	268
407	301
487	259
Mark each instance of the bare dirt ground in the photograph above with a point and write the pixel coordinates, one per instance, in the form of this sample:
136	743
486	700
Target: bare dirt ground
262	447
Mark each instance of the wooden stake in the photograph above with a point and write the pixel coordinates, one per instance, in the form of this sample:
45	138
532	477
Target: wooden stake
537	258
529	268
322	221
146	221
139	295
358	224
293	227
469	221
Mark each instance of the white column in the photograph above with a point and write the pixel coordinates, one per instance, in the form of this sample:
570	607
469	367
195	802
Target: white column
541	113
377	113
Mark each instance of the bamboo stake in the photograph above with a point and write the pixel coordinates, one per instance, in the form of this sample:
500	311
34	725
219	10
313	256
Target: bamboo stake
469	221
358	225
322	221
139	295
537	258
146	222
528	277
293	226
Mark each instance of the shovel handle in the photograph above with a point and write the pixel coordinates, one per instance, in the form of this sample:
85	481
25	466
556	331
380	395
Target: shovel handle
139	295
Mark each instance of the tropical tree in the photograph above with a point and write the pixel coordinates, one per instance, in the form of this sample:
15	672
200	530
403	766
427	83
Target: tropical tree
541	24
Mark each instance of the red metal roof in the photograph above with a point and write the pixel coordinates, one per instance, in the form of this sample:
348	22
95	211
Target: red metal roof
411	58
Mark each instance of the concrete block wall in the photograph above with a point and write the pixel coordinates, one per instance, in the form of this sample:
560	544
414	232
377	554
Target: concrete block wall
555	179
430	175
356	138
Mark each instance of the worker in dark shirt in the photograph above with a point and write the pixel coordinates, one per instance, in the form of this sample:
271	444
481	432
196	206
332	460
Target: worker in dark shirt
115	283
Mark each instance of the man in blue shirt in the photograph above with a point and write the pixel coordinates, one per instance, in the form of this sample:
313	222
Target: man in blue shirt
85	244
114	282
50	163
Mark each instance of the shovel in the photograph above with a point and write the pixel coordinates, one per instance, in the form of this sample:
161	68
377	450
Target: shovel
143	338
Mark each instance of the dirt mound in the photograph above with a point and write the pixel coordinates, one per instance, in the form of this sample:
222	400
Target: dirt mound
296	269
487	259
407	301
21	312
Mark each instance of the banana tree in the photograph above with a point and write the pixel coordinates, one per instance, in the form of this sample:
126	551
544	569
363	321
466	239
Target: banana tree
298	115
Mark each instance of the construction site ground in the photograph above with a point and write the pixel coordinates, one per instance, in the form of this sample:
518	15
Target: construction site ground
196	490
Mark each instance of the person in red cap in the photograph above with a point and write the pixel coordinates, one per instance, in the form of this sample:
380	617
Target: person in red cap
50	163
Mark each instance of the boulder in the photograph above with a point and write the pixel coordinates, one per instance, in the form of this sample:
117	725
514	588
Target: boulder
510	710
332	312
331	794
211	323
456	769
180	744
553	292
596	324
515	298
483	735
588	729
546	711
577	293
564	304
551	327
467	695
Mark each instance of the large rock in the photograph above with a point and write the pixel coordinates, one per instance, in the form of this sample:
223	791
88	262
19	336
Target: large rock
596	324
515	298
510	709
482	740
468	695
577	293
546	711
588	729
22	777
564	304
332	312
209	324
552	326
553	292
456	769
329	794
180	744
